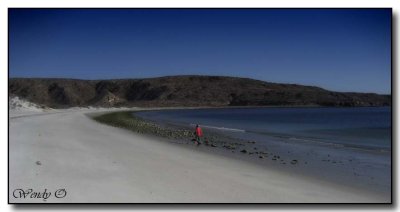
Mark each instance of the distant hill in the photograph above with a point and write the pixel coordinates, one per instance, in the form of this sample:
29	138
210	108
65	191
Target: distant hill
183	91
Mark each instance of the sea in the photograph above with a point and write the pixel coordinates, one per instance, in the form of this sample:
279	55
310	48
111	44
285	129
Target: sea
355	127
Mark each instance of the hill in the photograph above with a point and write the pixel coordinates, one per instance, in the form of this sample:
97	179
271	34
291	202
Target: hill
182	91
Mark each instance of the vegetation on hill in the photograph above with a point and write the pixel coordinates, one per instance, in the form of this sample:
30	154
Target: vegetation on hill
183	91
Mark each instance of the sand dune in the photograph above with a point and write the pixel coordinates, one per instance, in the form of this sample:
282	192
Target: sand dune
18	104
65	149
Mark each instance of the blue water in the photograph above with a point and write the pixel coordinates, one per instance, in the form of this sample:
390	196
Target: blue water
367	127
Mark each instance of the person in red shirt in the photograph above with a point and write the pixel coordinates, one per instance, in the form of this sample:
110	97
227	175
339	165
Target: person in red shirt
199	133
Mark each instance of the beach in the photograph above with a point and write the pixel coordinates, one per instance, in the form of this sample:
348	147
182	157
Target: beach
93	163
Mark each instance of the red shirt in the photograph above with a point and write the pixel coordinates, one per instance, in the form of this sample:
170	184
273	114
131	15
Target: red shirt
199	132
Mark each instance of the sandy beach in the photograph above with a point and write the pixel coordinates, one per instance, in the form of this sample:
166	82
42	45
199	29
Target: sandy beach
96	163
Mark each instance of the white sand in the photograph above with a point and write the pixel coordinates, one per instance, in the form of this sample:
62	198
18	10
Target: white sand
21	105
99	163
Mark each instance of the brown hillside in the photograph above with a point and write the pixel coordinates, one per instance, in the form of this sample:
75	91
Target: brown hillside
183	91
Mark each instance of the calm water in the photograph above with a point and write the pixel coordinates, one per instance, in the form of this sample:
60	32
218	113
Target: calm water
349	127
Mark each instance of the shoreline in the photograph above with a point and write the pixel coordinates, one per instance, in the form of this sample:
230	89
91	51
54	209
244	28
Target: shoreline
291	163
97	163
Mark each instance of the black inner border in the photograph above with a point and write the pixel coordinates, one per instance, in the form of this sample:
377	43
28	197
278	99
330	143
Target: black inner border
181	206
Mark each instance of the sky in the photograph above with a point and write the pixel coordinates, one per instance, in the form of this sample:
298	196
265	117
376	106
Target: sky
337	49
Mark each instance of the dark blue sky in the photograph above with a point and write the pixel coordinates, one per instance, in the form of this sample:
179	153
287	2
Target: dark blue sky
342	50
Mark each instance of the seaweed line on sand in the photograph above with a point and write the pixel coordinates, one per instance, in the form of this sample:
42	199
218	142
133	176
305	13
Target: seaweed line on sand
127	120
